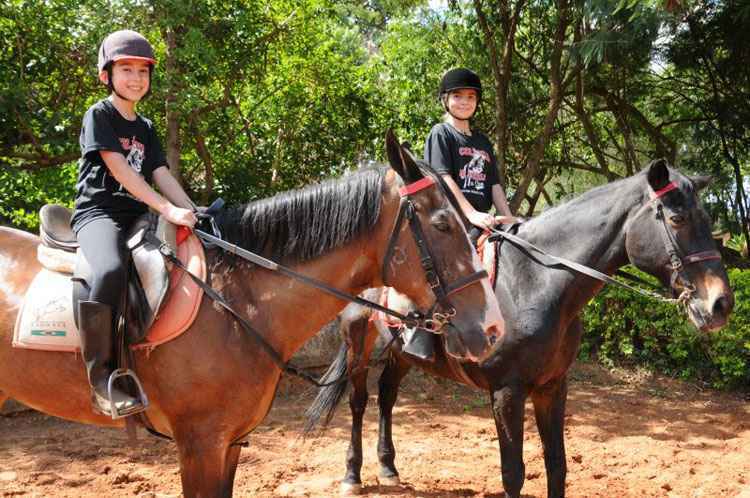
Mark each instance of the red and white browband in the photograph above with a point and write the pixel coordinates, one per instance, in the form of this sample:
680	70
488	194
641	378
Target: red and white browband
412	188
659	193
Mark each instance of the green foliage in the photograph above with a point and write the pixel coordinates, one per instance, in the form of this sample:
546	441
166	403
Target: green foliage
621	327
23	193
268	95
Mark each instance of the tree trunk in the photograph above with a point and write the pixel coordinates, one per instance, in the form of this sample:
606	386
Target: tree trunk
205	155
502	72
173	115
580	110
553	107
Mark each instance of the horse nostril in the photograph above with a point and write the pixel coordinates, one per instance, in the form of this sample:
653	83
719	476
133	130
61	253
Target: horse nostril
721	306
494	332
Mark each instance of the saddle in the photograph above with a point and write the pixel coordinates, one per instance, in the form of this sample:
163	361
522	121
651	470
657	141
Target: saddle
161	303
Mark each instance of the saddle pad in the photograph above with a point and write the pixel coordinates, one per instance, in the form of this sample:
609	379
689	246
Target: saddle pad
488	254
183	300
46	318
388	320
46	322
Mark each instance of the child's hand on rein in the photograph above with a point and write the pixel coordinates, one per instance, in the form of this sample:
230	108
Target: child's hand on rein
180	216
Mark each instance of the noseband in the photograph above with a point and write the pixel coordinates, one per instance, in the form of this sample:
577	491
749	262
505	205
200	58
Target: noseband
442	311
677	259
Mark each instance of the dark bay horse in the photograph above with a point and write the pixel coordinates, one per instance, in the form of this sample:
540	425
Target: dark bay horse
605	228
212	385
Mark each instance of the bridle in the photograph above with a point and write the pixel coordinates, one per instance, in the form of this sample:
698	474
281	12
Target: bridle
677	259
442	311
439	315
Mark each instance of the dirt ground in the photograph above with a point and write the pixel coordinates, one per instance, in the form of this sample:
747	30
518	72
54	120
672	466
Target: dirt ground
628	434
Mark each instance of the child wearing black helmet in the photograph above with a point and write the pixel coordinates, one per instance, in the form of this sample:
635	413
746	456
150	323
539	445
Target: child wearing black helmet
464	156
120	158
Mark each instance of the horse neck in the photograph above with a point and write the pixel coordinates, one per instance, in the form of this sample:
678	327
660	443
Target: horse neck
288	312
589	230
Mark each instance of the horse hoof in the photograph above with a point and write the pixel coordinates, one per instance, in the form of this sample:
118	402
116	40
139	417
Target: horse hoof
348	489
389	480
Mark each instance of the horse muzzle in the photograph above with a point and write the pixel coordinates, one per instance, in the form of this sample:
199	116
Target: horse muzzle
711	313
469	345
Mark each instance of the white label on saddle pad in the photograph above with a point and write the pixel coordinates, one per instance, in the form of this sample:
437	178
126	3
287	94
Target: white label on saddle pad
46	319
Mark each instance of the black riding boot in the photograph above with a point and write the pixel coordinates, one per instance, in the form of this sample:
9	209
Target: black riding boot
97	339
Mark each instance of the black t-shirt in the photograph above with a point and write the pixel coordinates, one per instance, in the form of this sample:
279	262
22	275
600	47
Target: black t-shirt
98	194
468	159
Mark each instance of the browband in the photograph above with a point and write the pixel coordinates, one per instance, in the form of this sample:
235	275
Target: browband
412	188
659	193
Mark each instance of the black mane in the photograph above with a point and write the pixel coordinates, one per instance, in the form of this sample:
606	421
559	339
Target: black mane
303	224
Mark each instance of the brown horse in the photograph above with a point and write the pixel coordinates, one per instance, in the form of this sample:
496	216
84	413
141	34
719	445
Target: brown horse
211	386
652	220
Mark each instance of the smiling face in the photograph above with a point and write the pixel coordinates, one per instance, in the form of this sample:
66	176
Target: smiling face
462	103
130	78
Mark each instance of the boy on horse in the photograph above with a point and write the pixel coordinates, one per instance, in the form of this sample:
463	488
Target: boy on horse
120	158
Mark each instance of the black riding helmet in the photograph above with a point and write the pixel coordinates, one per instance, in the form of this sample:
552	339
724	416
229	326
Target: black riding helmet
125	44
459	78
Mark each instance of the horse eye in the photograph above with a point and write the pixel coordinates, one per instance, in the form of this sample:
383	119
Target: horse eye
677	219
440	221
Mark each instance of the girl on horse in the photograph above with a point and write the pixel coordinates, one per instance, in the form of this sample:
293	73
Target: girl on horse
463	155
464	158
120	158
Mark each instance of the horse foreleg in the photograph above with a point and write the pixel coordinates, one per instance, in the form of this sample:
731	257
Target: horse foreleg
394	371
549	409
207	465
508	411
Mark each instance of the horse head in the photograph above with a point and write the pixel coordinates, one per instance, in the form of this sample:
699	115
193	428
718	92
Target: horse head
670	238
431	260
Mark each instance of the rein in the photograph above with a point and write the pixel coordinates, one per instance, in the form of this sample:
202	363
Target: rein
678	261
433	323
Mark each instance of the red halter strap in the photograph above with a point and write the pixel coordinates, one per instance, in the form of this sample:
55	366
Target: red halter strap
661	192
701	256
412	188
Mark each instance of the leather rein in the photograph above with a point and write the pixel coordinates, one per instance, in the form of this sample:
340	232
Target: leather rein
678	261
439	315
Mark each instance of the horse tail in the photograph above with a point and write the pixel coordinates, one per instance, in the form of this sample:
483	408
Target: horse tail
328	398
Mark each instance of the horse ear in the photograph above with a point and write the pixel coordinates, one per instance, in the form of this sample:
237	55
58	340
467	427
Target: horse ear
701	182
401	159
410	162
658	174
393	150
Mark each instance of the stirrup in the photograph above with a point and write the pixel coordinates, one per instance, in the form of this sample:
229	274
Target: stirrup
141	398
418	343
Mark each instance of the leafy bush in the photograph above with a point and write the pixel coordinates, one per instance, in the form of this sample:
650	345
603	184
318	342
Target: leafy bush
624	328
23	193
